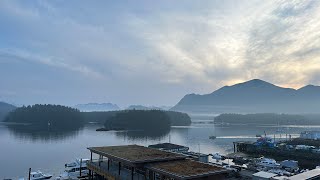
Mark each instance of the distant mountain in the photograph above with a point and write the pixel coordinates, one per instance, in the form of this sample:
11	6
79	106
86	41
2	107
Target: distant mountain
5	108
97	107
253	96
141	107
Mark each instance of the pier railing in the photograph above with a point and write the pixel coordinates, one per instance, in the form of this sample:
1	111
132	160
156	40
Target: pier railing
111	170
101	168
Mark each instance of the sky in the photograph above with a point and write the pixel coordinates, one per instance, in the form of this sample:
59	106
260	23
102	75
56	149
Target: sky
152	52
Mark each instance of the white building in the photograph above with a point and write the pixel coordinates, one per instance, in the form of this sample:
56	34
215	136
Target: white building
312	174
310	135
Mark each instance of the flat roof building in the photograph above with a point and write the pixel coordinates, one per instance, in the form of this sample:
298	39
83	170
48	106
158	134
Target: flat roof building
186	169
139	162
263	175
312	174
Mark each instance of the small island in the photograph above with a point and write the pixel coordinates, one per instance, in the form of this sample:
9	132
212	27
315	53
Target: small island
146	120
47	117
176	118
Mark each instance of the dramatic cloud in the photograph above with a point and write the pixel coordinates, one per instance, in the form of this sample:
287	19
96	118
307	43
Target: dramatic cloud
152	52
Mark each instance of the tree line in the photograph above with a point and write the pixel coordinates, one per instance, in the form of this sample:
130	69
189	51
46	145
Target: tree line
176	118
147	120
62	117
268	118
47	116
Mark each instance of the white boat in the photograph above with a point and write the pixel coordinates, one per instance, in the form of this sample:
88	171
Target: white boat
73	169
265	162
232	168
38	175
216	156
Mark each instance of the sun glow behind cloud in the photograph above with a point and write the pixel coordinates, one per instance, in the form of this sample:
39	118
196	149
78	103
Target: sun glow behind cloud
177	47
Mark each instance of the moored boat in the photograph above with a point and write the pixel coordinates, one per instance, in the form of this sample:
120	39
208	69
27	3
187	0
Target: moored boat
74	170
266	162
217	156
38	175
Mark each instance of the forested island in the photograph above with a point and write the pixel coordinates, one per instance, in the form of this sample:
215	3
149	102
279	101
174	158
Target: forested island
146	120
268	118
52	117
176	118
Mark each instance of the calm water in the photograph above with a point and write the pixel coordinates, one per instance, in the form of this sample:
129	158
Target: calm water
49	152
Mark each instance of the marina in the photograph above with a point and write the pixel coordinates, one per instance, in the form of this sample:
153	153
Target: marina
303	150
173	161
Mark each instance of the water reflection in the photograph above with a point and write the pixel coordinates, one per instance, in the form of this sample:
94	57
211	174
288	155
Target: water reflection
143	134
32	133
29	146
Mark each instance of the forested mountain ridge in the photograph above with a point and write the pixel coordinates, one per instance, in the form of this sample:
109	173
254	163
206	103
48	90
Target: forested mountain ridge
254	96
268	118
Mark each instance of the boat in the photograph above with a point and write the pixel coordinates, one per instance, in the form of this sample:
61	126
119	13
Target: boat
216	156
290	165
232	168
38	175
212	137
72	170
266	162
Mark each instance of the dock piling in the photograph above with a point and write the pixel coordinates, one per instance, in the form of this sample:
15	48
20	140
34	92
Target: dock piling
80	166
29	177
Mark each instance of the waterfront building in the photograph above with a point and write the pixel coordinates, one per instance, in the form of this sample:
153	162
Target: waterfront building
138	162
312	174
197	156
183	150
263	175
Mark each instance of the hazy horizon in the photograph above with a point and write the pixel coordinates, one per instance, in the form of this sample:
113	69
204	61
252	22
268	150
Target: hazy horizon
152	53
128	105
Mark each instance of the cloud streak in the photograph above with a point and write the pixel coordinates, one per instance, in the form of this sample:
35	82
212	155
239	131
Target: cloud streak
13	54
